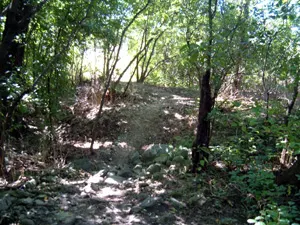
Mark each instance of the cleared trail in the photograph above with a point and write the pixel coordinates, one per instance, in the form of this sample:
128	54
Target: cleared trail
126	182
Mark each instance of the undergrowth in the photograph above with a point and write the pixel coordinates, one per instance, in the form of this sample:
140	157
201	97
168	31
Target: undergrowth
251	148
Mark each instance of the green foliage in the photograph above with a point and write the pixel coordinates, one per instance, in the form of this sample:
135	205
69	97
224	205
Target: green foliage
274	214
258	184
185	141
190	53
288	137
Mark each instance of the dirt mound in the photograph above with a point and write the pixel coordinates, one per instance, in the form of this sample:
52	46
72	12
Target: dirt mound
149	114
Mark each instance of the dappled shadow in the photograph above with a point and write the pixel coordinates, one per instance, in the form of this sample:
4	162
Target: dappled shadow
94	191
105	188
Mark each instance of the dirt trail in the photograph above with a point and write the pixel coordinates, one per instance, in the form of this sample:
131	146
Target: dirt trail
122	184
159	116
123	194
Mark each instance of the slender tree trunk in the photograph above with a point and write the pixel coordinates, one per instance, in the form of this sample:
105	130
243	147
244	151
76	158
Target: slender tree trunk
104	63
135	58
3	171
201	142
146	63
293	101
285	157
203	129
237	82
81	66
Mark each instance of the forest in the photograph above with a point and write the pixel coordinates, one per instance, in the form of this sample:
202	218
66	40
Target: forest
149	112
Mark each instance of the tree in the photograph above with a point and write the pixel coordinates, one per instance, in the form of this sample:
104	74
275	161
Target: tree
110	70
206	100
12	48
242	45
212	59
18	16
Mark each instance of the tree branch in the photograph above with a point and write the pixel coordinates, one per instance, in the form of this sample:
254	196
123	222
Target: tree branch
18	99
123	35
152	53
32	12
4	11
133	59
112	71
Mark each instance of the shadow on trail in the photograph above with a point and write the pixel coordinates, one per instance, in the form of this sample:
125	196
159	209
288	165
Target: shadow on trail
114	186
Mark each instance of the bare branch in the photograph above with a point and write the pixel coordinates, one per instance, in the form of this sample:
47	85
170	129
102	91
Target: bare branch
123	35
112	71
152	51
4	11
133	59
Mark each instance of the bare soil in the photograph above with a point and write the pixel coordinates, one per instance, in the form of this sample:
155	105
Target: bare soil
105	189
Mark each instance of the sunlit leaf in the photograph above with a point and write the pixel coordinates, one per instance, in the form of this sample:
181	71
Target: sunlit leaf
251	221
260	223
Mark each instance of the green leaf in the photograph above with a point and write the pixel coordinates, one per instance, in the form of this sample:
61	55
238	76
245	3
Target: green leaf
297	152
292	17
236	103
260	223
284	222
202	162
259	218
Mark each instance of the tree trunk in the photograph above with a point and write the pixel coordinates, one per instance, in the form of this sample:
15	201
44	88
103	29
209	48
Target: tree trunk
11	58
289	176
201	143
203	129
237	81
3	171
80	80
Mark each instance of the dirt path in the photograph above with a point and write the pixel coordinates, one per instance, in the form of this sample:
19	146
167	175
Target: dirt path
160	115
129	181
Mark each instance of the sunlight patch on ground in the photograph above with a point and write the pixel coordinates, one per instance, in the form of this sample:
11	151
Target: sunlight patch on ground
154	184
67	182
87	144
97	144
166	128
105	108
183	100
3	182
109	191
122	105
122	122
107	144
123	145
159	192
133	219
94	111
92	114
178	116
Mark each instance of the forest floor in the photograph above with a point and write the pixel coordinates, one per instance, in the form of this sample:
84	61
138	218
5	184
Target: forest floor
138	174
